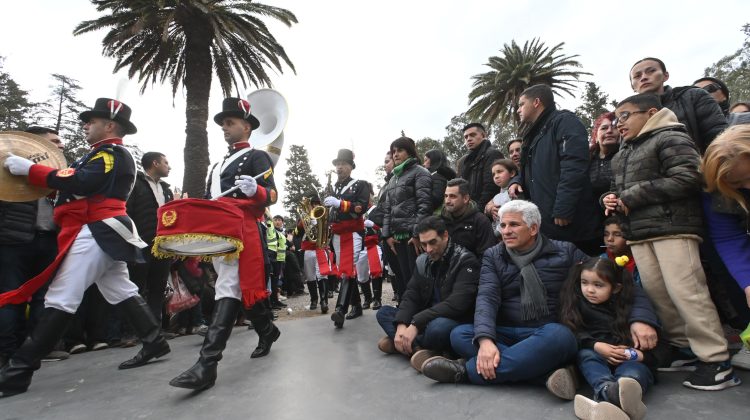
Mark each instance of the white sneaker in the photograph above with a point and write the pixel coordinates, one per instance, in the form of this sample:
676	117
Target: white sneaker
741	360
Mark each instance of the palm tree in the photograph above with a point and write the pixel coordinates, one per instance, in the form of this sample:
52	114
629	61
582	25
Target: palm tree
495	94
185	42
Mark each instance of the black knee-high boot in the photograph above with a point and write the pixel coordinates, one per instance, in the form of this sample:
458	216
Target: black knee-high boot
323	296
203	373
377	293
354	300
261	316
367	291
342	303
148	329
312	287
15	376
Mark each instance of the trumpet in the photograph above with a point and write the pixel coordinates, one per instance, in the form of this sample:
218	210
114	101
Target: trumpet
315	221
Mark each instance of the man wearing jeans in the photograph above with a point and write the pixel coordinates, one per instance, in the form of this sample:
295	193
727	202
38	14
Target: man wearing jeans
516	336
439	297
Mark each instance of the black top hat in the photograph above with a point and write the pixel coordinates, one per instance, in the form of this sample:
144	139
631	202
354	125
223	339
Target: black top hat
345	155
239	108
111	109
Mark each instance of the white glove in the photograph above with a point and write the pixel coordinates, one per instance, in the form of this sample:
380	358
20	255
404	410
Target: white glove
18	165
314	222
369	223
332	202
248	185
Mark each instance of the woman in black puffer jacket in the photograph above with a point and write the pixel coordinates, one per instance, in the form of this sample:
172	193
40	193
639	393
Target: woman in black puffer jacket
408	200
436	162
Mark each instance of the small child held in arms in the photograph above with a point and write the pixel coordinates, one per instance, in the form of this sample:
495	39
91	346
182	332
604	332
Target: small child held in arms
503	170
616	246
598	303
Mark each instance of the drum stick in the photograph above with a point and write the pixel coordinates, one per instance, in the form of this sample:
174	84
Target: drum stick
236	187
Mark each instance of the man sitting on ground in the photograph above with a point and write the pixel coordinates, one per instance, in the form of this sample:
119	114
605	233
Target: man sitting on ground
439	297
516	335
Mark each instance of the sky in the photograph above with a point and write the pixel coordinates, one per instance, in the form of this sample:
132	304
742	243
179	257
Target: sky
367	70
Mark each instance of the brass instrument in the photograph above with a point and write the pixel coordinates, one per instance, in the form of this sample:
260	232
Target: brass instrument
328	192
319	230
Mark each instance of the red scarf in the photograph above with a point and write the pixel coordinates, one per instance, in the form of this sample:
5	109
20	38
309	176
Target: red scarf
70	217
252	271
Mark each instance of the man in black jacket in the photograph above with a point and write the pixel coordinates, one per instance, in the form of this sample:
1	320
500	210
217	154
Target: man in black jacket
466	225
150	193
555	170
28	243
693	106
476	166
439	297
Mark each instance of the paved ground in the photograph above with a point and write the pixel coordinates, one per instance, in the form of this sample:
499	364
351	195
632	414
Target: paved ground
313	372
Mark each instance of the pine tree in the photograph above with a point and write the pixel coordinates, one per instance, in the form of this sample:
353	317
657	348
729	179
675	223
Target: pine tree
15	107
61	112
734	70
594	104
300	181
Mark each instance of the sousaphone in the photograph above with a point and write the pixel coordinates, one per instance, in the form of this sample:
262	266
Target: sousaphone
271	109
30	146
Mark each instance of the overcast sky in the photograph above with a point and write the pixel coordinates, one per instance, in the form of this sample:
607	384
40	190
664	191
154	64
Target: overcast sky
367	70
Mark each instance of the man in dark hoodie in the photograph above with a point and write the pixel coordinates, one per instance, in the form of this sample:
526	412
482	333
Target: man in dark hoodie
476	166
694	107
466	225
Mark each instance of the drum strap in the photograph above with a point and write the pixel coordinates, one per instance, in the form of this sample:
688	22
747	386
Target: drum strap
219	168
129	236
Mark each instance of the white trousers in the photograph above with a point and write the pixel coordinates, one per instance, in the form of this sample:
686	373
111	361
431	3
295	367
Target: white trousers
363	265
228	278
85	264
311	266
357	245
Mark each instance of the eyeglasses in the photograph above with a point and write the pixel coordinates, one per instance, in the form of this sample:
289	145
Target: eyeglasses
625	116
711	88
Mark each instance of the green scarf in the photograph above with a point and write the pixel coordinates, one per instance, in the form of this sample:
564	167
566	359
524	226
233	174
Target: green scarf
400	168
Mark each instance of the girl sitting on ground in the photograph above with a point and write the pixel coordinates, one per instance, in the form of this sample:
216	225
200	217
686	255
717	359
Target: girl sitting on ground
597	305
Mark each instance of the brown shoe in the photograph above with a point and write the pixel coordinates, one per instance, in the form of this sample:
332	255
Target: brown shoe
386	345
562	383
631	398
421	356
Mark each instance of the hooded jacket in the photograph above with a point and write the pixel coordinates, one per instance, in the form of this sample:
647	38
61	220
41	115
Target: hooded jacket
656	175
698	111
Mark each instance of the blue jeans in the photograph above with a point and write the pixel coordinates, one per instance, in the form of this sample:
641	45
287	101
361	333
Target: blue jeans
526	354
599	373
436	335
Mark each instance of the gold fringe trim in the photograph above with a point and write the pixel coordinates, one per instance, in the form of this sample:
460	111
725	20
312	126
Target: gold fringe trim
158	252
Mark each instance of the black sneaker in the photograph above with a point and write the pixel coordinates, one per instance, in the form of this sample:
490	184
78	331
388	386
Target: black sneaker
679	360
712	377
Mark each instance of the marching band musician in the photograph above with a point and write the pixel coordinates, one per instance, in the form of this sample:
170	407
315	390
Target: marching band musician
316	265
242	282
96	239
349	201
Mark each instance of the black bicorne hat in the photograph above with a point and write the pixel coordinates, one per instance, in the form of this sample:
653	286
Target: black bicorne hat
345	155
111	109
239	108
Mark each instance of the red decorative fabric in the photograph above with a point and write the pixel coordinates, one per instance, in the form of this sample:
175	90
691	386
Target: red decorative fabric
70	217
373	259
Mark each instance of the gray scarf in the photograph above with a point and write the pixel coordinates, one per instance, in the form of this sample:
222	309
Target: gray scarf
533	292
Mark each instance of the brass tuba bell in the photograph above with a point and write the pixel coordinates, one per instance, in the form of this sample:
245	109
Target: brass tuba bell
315	221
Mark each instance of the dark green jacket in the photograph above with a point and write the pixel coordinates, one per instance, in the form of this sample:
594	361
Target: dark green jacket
656	174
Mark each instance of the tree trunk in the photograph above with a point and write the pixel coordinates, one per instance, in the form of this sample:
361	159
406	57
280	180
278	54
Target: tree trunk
198	72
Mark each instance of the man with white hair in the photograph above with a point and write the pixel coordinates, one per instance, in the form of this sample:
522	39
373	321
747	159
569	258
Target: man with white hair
516	335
